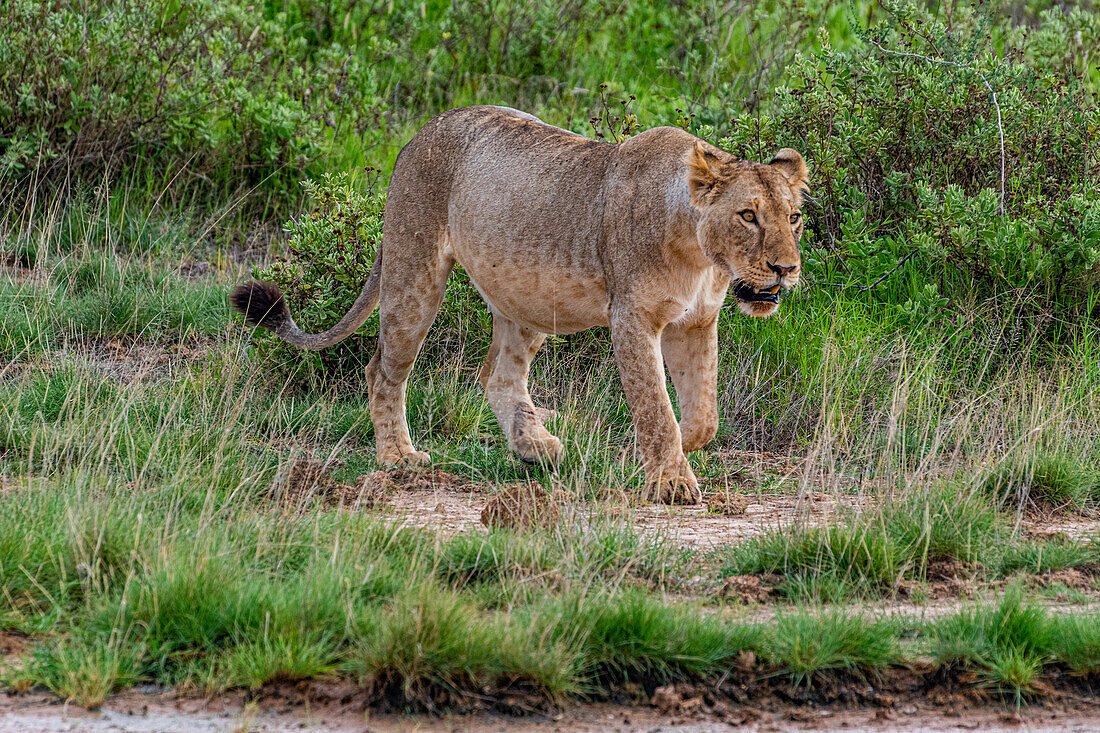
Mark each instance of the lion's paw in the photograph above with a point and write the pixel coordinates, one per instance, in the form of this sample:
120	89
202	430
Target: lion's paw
539	446
396	457
673	485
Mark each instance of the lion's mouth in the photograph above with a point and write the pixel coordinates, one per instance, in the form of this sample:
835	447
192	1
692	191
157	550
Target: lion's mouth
748	294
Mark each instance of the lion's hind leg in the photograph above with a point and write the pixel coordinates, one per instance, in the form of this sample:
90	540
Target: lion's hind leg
504	377
405	314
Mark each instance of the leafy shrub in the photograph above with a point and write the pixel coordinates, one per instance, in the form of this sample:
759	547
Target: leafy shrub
426	57
330	249
904	134
329	253
210	88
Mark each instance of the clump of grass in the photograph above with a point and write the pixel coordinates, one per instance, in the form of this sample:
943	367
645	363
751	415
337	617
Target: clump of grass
872	550
1007	644
853	555
632	636
430	638
806	645
283	658
492	557
1075	641
1046	481
85	671
1044	556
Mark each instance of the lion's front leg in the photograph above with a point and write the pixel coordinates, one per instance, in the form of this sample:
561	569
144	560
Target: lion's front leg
668	477
691	353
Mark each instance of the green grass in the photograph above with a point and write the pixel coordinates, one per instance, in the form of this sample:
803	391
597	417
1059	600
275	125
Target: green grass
804	645
84	671
1009	644
882	544
946	527
1045	481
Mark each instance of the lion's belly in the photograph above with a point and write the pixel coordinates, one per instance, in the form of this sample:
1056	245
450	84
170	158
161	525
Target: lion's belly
546	298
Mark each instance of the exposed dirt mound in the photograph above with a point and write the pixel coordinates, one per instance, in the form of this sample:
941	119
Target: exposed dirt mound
953	569
749	588
372	490
670	701
522	506
726	504
1082	577
305	479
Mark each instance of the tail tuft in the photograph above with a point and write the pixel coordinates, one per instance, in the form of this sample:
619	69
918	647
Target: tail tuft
261	303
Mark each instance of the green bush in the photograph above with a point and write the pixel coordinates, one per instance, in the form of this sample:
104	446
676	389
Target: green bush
904	135
209	88
329	253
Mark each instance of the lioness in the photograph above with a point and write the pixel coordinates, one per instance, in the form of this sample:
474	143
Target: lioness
560	233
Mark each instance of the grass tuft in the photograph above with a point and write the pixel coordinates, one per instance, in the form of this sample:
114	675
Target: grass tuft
806	645
1045	481
85	671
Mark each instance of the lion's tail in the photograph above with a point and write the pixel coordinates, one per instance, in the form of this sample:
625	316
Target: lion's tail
263	305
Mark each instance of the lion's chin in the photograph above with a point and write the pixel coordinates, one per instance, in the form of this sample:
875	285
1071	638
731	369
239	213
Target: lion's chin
758	308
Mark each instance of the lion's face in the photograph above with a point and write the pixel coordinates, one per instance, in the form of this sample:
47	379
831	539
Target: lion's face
752	222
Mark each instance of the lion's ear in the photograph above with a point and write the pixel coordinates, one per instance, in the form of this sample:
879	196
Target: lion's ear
789	162
704	170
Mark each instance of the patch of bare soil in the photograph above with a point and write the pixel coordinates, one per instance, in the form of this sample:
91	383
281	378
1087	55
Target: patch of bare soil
13	644
433	479
697	527
305	479
454	507
1063	526
899	699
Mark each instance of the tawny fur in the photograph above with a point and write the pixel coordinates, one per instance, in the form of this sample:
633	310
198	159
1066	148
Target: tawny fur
560	233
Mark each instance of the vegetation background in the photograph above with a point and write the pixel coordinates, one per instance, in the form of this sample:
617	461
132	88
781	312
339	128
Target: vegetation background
944	351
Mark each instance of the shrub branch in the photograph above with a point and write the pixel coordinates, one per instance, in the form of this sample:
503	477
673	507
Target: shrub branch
865	288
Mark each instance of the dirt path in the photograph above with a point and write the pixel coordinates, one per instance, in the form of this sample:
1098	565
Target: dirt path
454	511
136	713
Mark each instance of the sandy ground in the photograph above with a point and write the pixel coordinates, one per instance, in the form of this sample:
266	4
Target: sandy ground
136	713
453	511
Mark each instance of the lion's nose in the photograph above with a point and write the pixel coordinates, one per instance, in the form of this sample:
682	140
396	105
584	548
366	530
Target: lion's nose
782	270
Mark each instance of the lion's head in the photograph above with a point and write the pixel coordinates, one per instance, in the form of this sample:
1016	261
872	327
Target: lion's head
751	222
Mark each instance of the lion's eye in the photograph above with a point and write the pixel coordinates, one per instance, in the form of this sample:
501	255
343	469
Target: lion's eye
748	216
795	217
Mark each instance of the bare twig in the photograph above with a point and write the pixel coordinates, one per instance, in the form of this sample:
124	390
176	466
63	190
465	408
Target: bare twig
989	88
865	288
